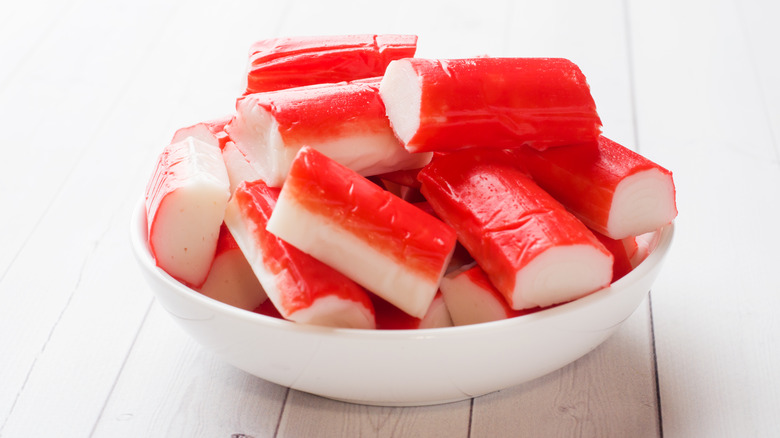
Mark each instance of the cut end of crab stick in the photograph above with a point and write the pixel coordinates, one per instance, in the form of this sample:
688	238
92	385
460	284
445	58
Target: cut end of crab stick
185	205
211	132
344	121
301	288
612	189
231	279
239	169
382	242
472	299
534	251
642	202
561	274
281	63
448	104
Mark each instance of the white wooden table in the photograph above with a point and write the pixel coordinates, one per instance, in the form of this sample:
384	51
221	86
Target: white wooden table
91	90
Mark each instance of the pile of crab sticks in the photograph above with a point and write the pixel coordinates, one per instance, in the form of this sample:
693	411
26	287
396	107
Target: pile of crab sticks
358	186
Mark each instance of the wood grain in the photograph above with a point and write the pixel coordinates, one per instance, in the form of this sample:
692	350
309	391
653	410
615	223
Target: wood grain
703	112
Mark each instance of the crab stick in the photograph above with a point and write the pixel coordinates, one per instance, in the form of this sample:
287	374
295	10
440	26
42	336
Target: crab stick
279	63
448	104
238	167
612	189
185	205
211	131
628	253
472	299
231	279
533	250
302	288
344	121
389	317
382	242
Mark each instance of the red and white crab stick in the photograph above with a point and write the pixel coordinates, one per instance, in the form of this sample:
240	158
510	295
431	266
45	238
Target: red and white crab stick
185	205
629	252
384	243
390	317
302	288
442	105
211	131
533	250
279	63
231	279
612	189
345	121
472	299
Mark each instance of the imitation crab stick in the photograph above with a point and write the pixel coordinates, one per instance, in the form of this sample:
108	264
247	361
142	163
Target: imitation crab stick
442	105
231	279
279	63
302	288
612	189
472	299
628	252
238	167
185	205
533	250
345	121
211	131
389	317
382	242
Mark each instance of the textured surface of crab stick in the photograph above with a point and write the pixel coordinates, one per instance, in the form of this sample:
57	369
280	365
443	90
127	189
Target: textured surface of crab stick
389	317
441	105
279	63
346	122
472	299
612	189
389	246
533	250
185	205
301	287
212	132
629	252
238	167
231	279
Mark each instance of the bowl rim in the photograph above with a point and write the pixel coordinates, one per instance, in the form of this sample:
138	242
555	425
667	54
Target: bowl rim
138	231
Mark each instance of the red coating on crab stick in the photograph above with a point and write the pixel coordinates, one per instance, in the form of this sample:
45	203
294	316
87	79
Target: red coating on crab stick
506	221
309	114
300	278
280	63
489	102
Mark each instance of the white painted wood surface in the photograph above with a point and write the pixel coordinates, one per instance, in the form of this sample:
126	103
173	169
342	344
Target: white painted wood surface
91	90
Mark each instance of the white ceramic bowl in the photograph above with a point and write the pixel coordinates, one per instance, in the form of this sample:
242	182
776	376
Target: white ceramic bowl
406	367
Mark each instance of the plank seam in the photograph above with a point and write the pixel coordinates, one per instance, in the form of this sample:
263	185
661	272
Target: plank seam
53	329
281	412
635	123
121	368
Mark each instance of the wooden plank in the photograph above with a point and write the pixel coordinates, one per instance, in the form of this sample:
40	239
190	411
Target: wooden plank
606	393
170	386
310	415
702	112
72	301
611	391
56	99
